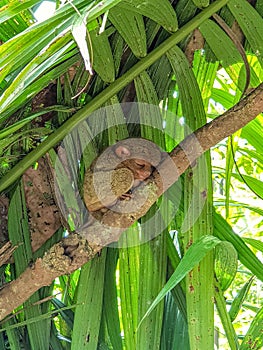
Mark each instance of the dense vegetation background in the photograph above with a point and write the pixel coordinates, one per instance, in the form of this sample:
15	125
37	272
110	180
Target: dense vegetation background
192	60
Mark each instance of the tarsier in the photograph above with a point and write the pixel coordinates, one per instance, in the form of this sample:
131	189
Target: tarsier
118	170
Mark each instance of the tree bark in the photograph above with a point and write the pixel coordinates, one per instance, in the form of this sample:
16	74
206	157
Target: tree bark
75	250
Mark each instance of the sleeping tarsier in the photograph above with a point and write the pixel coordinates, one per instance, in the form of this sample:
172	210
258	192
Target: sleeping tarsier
117	171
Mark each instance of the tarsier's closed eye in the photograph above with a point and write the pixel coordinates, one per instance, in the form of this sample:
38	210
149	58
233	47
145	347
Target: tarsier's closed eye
139	164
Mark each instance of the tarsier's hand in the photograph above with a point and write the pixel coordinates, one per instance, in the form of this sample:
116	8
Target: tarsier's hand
103	188
126	196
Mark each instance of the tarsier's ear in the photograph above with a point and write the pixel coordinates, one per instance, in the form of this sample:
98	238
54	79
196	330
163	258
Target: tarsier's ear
122	152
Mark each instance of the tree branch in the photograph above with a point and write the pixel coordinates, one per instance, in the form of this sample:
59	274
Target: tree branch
75	250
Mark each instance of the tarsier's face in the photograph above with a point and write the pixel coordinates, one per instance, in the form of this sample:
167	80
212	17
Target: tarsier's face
139	158
141	169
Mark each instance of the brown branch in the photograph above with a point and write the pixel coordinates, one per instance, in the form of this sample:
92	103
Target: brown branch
63	258
75	250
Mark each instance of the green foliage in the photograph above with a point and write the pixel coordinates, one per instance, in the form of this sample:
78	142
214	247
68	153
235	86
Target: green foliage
148	293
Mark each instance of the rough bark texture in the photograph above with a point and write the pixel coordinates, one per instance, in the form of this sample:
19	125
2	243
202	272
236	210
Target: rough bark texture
63	258
72	252
43	214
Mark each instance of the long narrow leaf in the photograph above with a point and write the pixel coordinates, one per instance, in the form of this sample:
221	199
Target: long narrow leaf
163	15
253	339
250	22
14	8
192	257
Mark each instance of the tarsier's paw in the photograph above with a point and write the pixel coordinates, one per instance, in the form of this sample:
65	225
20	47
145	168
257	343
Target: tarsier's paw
126	196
